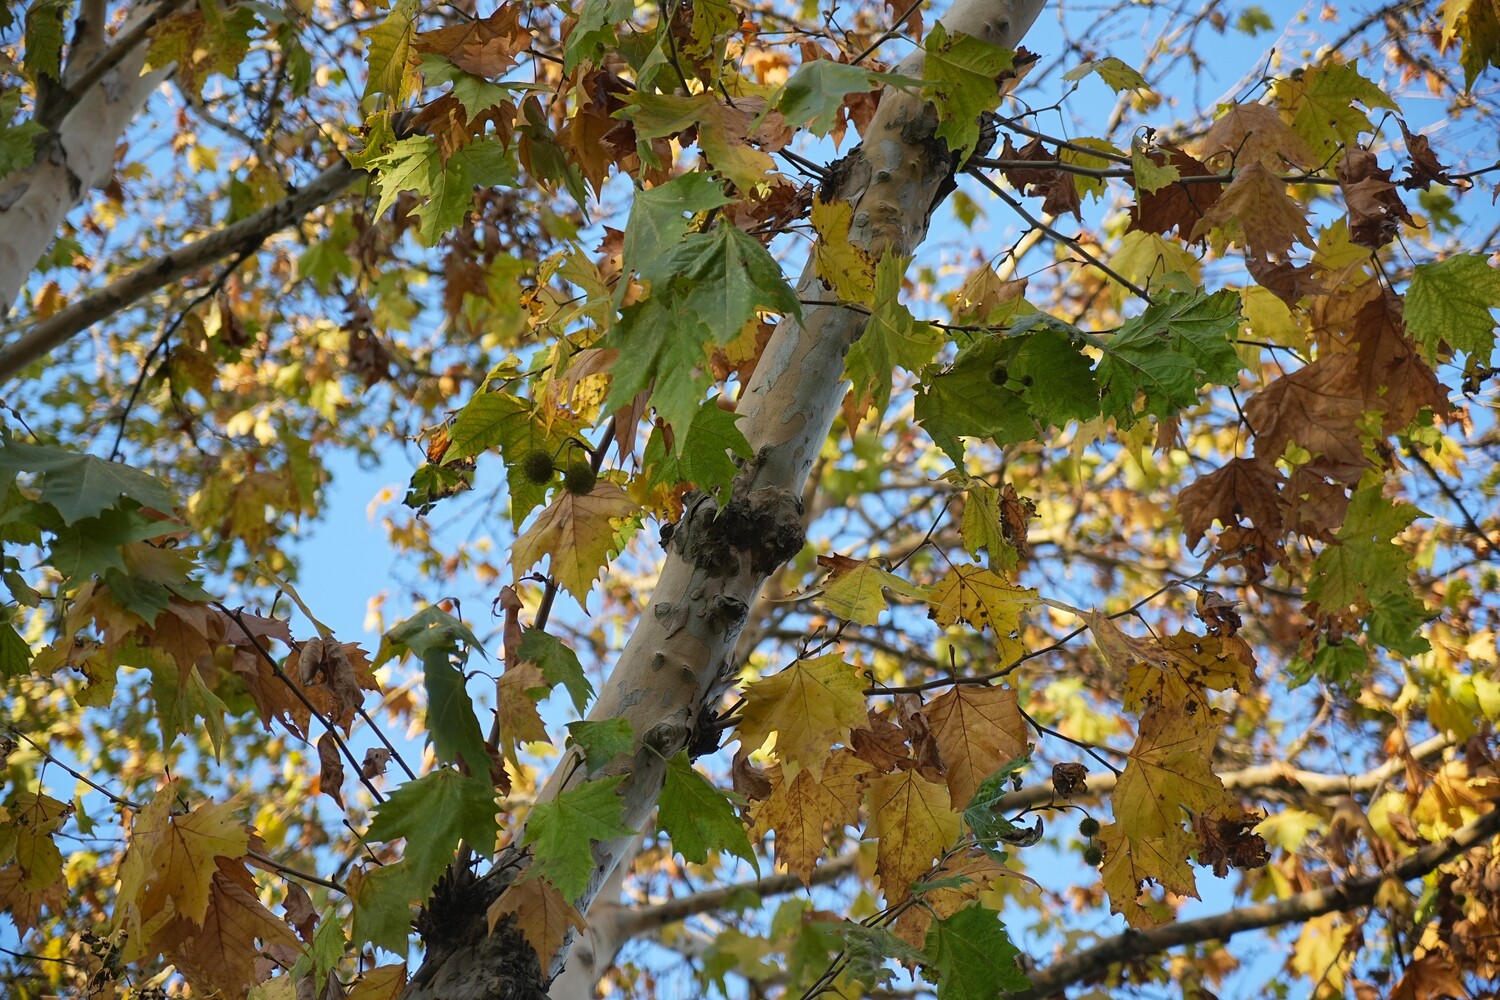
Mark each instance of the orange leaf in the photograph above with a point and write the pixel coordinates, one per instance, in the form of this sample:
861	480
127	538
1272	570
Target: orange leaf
977	729
542	915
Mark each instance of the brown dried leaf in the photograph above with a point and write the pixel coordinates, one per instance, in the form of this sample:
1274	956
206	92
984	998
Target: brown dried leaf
330	768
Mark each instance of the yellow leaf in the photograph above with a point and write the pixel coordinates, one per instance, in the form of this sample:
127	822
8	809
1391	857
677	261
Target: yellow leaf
381	983
186	858
519	720
222	955
1179	668
1168	773
579	533
542	915
1319	954
855	589
810	706
28	835
1129	864
982	599
977	729
914	824
799	809
844	267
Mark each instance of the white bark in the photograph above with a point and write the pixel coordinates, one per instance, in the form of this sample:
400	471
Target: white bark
677	663
80	155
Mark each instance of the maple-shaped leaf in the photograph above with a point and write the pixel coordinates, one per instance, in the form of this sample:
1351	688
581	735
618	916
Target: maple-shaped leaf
1176	669
543	915
382	899
705	457
856	588
1476	25
1391	374
561	831
32	819
383	982
518	428
1253	134
703	293
519	690
1129	865
799	809
659	219
1256	211
809	706
223	955
973	956
1318	407
452	725
1169	770
913	823
176	858
390	52
81	486
558	664
963	75
1119	75
982	527
815	93
594	31
1162	356
1171	204
698	817
433	813
199	42
601	741
892	339
724	132
578	534
446	184
964	400
1155	263
15	652
1241	488
1321	102
963	878
845	268
983	599
25	906
1451	304
483	46
977	729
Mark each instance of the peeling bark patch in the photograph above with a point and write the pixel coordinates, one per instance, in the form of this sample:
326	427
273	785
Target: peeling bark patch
765	527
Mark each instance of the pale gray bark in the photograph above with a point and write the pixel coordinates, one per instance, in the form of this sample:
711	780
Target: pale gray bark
105	91
677	664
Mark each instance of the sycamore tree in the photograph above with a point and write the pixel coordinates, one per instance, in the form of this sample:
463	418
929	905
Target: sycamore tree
1081	578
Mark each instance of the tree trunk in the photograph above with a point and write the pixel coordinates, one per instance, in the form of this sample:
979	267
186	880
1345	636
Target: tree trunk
678	662
79	153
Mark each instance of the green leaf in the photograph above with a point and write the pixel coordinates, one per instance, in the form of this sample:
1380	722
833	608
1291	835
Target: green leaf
92	545
703	293
416	164
891	339
558	664
1322	100
594	31
1119	75
81	486
971	399
390	50
963	79
704	453
1050	371
601	741
817	90
562	830
15	653
1166	353
973	956
498	419
382	907
657	221
44	39
433	813
451	723
1451	302
699	818
17	142
869	949
431	630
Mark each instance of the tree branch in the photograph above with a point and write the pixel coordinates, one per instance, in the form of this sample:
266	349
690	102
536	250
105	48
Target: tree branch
1266	776
1345	895
42	338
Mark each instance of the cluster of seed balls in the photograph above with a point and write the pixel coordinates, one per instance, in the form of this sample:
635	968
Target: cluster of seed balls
578	478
